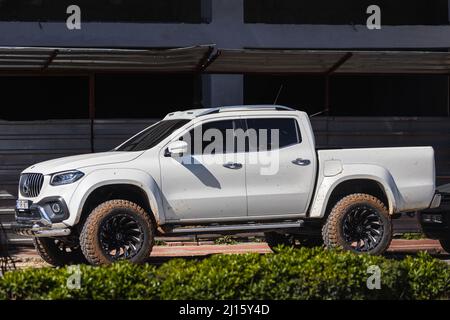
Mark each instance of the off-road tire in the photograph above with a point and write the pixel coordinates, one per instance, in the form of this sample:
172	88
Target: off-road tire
332	231
90	234
50	250
445	244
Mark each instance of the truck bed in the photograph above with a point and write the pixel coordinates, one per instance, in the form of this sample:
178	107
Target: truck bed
409	171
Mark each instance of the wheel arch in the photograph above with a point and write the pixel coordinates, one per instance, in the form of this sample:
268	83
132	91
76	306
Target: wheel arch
122	191
332	189
347	187
132	185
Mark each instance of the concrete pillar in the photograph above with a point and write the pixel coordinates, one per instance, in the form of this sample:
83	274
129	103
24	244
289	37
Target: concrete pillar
222	90
206	11
227	16
448	9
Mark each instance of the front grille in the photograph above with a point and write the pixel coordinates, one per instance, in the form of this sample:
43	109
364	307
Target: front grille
30	184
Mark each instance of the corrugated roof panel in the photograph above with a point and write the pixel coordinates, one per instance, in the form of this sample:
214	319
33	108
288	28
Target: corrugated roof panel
191	59
276	61
397	62
307	61
81	59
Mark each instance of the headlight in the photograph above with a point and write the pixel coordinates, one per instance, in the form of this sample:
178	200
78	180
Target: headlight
65	177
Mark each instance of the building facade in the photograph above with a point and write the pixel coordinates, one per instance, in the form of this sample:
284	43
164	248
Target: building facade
48	114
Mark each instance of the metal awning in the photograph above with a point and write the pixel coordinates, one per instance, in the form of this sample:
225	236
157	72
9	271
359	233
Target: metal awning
327	62
203	59
79	59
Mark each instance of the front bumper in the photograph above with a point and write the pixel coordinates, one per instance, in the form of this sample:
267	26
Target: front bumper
39	231
40	220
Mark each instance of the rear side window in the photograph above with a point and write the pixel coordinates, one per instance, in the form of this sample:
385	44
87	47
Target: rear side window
272	133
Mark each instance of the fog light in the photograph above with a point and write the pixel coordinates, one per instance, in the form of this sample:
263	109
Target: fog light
56	208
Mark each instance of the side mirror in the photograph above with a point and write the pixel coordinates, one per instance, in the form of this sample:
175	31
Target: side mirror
177	147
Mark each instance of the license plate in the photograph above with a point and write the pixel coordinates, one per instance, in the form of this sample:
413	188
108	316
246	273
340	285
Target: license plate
22	205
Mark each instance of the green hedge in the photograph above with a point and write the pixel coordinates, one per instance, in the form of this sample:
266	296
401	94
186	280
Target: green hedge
288	274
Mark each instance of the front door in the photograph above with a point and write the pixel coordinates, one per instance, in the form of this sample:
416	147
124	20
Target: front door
208	183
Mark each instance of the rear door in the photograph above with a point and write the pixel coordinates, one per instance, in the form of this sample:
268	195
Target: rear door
279	167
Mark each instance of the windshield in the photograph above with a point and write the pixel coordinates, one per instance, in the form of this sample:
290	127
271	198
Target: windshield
151	136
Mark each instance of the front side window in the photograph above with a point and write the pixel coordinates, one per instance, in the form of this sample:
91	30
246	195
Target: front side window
152	136
216	137
272	133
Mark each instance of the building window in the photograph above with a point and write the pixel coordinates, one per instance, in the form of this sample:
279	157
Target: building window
398	12
305	93
354	95
185	11
41	98
143	95
389	95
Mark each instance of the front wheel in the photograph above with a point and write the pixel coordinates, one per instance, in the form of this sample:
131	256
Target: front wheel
117	230
359	223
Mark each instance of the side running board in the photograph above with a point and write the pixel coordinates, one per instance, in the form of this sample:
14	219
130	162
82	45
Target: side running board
238	228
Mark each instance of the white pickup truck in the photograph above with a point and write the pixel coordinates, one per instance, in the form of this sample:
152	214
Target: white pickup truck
225	170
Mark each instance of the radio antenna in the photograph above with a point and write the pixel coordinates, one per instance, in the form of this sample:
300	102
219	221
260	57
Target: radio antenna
320	112
278	95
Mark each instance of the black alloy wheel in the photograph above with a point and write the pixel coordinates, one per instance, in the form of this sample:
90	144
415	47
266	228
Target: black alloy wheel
362	228
121	236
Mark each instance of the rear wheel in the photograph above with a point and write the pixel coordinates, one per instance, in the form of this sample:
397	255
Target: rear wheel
445	244
59	252
117	230
359	223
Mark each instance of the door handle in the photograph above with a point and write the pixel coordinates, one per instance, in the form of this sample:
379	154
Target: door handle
301	162
233	165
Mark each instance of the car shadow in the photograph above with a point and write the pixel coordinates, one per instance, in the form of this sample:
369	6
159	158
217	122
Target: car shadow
201	172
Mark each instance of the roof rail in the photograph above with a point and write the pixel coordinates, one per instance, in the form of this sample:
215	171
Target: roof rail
246	108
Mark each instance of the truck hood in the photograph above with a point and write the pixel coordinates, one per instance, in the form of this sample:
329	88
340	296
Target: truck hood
83	160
